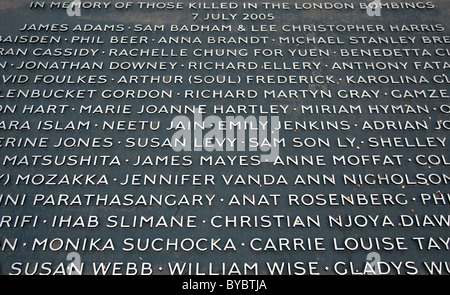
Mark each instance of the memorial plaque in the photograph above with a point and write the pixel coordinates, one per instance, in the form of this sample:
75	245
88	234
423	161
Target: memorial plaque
224	137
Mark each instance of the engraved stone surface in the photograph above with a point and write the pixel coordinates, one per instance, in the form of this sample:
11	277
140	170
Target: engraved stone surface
224	137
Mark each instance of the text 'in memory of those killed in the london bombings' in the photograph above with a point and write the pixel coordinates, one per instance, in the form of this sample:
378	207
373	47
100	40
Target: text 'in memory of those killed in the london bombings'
224	137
